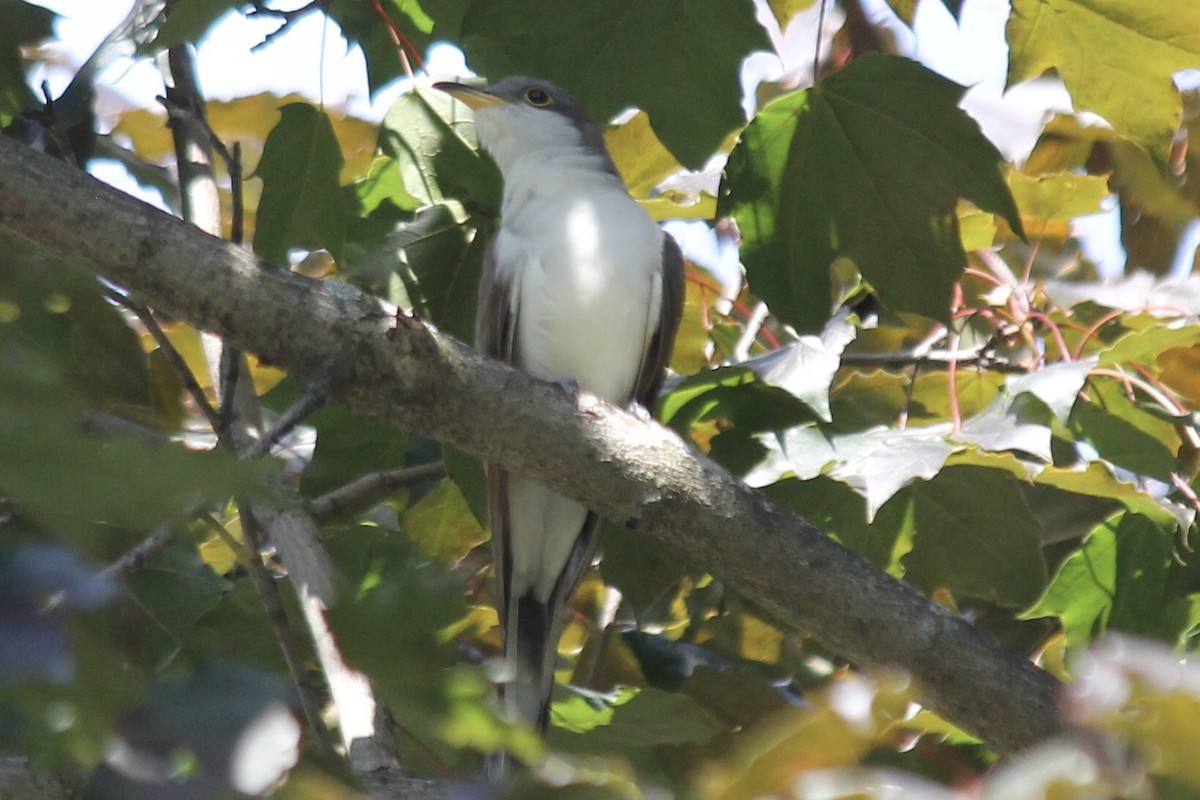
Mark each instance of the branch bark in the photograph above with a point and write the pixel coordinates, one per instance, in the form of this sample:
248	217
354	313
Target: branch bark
396	368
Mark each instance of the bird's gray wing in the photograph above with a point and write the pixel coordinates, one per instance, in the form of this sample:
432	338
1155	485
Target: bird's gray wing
495	312
495	337
662	341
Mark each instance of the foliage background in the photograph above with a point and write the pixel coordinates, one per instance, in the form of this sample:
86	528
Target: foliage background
984	418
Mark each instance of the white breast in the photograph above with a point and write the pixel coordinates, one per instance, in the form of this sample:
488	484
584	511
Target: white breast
586	264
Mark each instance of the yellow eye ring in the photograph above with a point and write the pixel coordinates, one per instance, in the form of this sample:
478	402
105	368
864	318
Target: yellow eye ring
538	97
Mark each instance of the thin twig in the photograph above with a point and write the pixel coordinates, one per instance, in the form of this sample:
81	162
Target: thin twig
260	9
134	558
316	394
229	370
174	358
232	160
817	49
403	45
268	595
371	487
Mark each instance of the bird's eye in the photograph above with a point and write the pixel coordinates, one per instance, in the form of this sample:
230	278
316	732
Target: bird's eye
537	96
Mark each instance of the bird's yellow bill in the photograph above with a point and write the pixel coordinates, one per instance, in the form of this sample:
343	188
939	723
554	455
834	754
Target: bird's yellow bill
474	98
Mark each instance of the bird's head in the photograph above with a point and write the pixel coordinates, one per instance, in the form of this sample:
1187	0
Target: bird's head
521	118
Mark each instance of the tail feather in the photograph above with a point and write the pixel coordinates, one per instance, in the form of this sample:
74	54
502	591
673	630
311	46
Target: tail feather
530	651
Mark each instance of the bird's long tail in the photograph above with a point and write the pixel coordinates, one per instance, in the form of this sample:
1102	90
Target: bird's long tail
530	653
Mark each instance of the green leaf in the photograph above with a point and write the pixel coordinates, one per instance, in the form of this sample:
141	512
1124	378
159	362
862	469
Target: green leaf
841	513
389	619
64	479
960	546
189	21
1097	480
173	590
1118	579
442	523
1117	58
301	203
867	166
1120	441
807	368
421	22
348	446
1081	593
433	142
1063	196
652	717
588	48
876	463
641	568
24	24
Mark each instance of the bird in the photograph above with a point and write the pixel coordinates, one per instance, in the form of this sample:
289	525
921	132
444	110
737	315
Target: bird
580	287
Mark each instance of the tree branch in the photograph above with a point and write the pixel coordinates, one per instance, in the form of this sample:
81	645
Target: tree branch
394	368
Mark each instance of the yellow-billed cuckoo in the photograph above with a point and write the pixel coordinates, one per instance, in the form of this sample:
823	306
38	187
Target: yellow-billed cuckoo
579	286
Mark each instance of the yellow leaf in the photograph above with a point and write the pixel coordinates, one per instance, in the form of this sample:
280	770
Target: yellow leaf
640	157
1180	369
1057	198
1117	58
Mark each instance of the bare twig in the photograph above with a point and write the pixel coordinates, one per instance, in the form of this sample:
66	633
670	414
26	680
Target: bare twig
268	595
316	394
139	554
173	356
372	487
261	9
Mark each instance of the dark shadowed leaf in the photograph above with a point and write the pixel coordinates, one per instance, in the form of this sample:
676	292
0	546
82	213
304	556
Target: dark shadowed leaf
301	203
841	512
189	20
24	24
995	555
867	166
432	139
586	47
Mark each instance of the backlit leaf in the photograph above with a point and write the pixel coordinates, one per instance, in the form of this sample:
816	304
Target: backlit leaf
1117	58
1050	198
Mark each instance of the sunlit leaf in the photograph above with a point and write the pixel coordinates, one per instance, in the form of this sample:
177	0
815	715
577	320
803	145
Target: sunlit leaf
784	10
1180	369
442	523
1144	693
1052	198
1124	72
